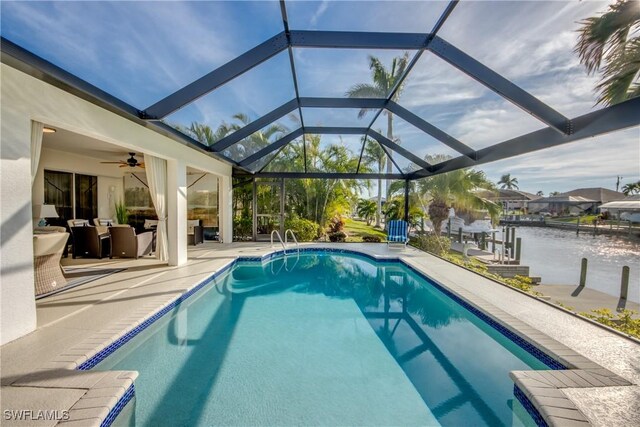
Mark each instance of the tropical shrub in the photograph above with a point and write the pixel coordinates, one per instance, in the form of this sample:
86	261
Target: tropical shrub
242	227
523	283
394	208
335	225
369	238
624	321
434	244
337	236
305	230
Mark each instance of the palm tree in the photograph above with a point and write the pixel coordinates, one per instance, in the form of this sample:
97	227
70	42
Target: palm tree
506	182
383	80
631	188
613	39
366	209
206	135
374	154
318	199
456	189
540	193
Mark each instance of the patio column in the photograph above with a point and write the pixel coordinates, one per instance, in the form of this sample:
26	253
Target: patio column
17	302
226	210
177	211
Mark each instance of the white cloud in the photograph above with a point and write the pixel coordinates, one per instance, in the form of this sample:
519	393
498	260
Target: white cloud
592	162
322	8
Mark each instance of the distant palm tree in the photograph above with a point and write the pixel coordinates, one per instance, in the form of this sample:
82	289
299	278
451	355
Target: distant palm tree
366	210
383	81
554	193
508	183
613	39
540	193
206	135
456	189
631	188
374	154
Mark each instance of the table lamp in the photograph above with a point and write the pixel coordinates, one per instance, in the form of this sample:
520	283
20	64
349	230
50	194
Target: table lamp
44	211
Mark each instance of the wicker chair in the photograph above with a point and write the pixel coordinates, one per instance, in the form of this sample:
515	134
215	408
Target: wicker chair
47	251
125	243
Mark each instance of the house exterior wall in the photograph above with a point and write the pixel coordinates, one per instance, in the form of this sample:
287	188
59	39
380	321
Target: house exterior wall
24	99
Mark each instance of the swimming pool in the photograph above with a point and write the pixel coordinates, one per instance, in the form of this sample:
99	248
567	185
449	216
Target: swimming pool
323	339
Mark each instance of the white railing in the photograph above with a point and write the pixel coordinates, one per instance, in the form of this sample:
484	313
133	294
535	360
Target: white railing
293	236
284	265
280	239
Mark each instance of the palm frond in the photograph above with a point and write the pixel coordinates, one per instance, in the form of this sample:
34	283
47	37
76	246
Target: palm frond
605	40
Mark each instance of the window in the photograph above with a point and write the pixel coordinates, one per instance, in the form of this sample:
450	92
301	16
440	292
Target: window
202	198
57	192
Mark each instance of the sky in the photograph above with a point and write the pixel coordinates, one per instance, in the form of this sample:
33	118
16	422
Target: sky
144	51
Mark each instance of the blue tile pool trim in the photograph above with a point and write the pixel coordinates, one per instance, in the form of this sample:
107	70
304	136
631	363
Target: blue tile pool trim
533	412
115	411
530	348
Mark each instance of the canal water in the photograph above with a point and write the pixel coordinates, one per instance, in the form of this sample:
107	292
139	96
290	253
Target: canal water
555	255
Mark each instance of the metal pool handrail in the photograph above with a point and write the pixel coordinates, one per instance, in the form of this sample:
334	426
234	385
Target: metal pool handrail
293	236
279	238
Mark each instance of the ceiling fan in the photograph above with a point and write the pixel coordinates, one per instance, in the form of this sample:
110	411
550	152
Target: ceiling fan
131	162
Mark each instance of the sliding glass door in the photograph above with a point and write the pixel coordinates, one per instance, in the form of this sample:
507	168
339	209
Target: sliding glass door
57	192
73	195
86	197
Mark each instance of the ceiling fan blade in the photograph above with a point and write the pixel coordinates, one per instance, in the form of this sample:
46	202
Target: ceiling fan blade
141	165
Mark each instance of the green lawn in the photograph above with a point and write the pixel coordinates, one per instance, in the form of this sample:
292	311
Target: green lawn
584	220
356	229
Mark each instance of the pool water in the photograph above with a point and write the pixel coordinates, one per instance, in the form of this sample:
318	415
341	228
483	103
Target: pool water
322	339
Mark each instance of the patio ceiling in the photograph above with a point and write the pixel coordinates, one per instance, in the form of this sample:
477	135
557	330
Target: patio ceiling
287	55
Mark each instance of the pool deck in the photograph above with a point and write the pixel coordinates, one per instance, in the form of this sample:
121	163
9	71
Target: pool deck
37	370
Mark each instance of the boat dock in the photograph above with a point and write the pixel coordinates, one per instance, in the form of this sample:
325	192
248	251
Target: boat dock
582	299
615	227
577	298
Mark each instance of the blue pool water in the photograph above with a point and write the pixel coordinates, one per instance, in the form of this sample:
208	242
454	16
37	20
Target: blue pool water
323	339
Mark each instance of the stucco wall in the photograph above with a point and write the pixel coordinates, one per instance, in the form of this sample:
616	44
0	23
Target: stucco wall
25	98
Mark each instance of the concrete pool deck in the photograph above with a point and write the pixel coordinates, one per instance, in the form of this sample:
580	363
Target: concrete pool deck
74	324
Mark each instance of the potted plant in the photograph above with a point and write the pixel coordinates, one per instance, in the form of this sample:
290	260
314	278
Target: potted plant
122	216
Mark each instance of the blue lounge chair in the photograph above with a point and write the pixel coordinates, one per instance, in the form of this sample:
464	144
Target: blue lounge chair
398	232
